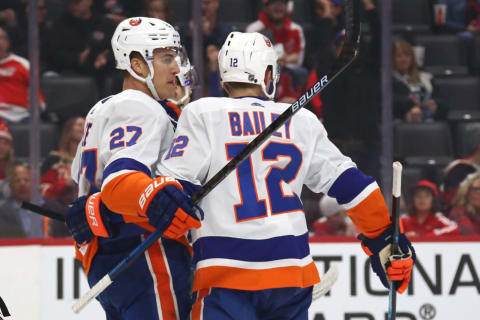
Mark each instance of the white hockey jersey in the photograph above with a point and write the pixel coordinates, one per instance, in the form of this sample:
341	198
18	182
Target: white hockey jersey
254	234
124	132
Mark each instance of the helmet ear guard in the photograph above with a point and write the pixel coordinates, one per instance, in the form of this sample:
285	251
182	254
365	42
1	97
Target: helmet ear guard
245	57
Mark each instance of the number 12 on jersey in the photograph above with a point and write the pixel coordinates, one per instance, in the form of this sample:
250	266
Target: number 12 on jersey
253	208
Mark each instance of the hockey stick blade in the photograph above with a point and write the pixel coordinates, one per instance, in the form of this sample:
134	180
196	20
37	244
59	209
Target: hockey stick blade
326	283
346	58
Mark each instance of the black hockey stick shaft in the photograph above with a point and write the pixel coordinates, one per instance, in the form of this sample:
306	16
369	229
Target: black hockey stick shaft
42	211
396	194
348	55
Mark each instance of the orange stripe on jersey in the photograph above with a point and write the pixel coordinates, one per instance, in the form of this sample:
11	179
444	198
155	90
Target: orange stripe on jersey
86	259
121	194
163	281
371	216
256	279
197	307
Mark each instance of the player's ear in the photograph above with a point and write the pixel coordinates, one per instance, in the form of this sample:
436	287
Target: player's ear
139	66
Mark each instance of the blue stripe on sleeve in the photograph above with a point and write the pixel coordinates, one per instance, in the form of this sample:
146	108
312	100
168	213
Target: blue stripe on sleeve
349	185
125	164
284	247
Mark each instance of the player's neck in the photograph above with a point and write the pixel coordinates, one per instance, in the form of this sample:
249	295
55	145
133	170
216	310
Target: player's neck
130	83
246	92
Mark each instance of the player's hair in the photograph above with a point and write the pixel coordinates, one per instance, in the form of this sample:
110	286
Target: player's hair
229	86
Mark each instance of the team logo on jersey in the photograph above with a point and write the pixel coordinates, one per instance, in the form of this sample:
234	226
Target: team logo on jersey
135	22
269	44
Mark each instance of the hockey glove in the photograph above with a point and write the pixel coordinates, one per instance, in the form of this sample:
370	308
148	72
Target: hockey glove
168	208
388	266
87	217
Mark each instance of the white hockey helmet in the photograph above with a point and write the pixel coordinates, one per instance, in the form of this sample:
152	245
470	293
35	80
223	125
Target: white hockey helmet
244	57
142	35
187	77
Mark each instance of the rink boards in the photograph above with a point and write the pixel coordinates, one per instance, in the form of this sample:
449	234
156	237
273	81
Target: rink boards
39	280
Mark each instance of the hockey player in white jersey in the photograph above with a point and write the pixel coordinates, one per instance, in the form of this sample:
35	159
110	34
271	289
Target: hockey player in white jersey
123	138
251	255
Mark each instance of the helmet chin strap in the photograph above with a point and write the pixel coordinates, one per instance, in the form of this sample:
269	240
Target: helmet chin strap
147	80
182	100
269	95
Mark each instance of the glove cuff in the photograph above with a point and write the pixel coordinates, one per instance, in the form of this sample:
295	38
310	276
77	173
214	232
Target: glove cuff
94	216
151	190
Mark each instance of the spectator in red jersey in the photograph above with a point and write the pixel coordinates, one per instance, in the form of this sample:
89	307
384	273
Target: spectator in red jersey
466	210
457	171
423	218
14	83
334	221
56	181
289	42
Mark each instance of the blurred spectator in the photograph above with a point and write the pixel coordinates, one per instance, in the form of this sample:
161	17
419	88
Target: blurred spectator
18	34
286	34
14	83
319	43
9	10
214	30
457	171
7	158
351	105
466	210
412	88
213	87
56	181
117	10
424	217
81	43
32	225
289	42
159	9
20	186
335	221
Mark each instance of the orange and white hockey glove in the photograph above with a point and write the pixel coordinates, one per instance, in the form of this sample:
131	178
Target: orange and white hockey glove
388	266
168	208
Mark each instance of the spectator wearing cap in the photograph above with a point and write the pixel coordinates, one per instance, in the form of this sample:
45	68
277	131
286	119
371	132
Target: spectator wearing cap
289	42
14	83
334	221
424	218
466	210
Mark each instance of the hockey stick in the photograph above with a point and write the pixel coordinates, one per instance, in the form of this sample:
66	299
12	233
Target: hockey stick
42	211
348	55
396	193
326	283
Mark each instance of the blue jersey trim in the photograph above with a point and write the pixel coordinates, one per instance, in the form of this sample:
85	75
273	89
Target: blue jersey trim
125	164
284	247
349	185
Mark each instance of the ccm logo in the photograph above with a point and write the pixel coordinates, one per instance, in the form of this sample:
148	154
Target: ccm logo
157	183
91	210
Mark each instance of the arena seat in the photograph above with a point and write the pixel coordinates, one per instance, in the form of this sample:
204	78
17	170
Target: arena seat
461	95
69	96
467	137
437	47
236	12
182	11
411	15
423	143
49	138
